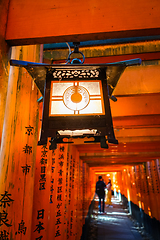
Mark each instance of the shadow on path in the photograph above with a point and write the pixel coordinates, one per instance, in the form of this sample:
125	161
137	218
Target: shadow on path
115	224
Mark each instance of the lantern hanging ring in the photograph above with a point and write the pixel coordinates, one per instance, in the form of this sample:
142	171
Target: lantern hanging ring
76	50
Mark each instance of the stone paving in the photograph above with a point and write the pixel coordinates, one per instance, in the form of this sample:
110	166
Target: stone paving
115	224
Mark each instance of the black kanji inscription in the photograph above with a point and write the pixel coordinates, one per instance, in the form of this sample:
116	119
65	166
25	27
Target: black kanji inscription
5	200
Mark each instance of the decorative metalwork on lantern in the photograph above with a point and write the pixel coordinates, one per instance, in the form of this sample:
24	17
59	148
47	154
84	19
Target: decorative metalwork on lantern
76	99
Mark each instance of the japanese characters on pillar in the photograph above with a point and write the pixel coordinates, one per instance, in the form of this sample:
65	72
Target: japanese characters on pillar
72	213
138	185
150	177
73	205
156	184
6	198
5	202
70	196
41	189
60	228
57	211
136	197
39	226
77	220
27	149
80	197
26	168
128	183
158	167
52	172
145	190
52	180
19	147
59	221
43	172
66	202
153	203
84	190
133	186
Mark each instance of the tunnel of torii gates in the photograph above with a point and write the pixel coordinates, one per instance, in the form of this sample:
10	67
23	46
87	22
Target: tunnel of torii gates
46	194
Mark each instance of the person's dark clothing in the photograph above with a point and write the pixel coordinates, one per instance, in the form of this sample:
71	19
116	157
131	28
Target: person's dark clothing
100	190
101	204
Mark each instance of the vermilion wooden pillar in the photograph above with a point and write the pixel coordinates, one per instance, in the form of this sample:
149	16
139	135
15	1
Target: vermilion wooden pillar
72	193
61	188
153	202
80	197
145	190
4	61
119	183
18	149
60	224
41	193
78	186
138	186
156	184
124	186
158	168
133	186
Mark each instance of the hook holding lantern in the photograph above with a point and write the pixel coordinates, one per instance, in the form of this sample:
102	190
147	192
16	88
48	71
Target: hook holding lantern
76	50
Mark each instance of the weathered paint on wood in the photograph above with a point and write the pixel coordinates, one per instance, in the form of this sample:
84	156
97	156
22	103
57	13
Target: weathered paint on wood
139	80
58	199
135	105
47	21
105	53
156	184
4	64
18	146
143	187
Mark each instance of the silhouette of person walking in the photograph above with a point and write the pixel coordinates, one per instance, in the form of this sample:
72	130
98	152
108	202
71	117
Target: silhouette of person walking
100	191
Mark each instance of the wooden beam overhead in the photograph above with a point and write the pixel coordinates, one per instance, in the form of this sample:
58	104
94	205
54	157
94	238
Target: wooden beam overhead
124	158
90	149
39	22
129	153
135	105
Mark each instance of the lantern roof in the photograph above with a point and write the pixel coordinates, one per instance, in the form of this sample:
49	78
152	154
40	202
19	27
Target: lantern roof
38	71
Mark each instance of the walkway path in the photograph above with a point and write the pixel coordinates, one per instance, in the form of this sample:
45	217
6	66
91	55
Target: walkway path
115	224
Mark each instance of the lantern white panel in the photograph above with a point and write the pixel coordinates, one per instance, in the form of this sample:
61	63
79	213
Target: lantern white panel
59	88
94	107
92	87
76	98
58	108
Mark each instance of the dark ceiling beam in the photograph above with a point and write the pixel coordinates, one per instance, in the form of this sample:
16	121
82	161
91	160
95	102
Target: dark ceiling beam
144	50
53	46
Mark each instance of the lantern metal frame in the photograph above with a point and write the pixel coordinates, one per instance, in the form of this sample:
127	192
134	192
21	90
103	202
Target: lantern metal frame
102	123
108	74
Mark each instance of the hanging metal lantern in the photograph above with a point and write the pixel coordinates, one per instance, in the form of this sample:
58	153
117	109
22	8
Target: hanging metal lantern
76	99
